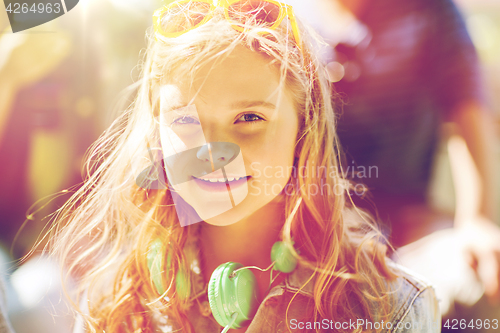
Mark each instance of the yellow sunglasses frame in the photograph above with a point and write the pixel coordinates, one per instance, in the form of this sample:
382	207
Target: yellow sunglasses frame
285	11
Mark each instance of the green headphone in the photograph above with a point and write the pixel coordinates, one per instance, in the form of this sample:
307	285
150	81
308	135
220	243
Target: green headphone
233	296
230	293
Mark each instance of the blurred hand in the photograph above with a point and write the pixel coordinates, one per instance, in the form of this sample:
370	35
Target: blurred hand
27	57
482	243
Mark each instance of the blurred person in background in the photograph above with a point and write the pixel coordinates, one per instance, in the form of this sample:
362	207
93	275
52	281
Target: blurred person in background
48	100
58	82
46	125
406	68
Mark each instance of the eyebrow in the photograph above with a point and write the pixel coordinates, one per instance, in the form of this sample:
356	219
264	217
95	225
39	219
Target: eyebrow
236	105
175	107
251	104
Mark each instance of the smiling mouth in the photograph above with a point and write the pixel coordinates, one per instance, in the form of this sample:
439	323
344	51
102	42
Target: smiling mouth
214	184
221	180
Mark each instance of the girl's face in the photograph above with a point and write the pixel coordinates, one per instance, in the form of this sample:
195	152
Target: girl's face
228	139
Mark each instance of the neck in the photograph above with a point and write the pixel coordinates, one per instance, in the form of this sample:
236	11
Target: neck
248	241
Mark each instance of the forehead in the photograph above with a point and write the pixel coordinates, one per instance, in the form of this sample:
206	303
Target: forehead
240	75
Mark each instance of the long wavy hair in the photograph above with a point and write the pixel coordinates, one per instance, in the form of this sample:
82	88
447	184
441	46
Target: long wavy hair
105	230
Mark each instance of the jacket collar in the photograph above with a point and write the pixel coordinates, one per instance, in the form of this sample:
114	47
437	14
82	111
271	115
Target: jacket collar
301	280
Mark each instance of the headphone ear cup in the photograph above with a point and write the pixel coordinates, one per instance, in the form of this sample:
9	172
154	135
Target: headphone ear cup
155	264
214	297
284	260
156	268
228	295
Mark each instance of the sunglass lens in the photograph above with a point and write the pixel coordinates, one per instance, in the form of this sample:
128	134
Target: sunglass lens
184	16
254	12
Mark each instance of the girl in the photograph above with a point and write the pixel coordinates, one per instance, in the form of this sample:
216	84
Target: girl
216	200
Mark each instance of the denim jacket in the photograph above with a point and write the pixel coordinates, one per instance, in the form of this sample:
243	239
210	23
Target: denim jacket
415	310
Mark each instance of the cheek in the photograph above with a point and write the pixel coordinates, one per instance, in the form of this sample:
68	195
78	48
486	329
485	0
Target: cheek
285	141
273	156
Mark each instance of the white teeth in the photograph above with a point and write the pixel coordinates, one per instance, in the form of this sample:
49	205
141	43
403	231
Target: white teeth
221	180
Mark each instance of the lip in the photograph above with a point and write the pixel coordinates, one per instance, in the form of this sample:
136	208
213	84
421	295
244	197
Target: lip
220	186
218	175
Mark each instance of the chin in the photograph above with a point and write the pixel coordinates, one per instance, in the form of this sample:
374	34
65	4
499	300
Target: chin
234	215
227	217
217	210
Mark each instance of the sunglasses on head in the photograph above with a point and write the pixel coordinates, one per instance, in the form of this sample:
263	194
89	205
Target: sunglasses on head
182	16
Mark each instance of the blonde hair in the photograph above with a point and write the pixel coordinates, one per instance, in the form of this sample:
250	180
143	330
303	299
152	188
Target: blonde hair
106	228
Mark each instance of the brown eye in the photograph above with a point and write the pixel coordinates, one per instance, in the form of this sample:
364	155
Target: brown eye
249	117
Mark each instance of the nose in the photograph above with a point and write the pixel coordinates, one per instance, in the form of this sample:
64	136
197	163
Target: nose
217	153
